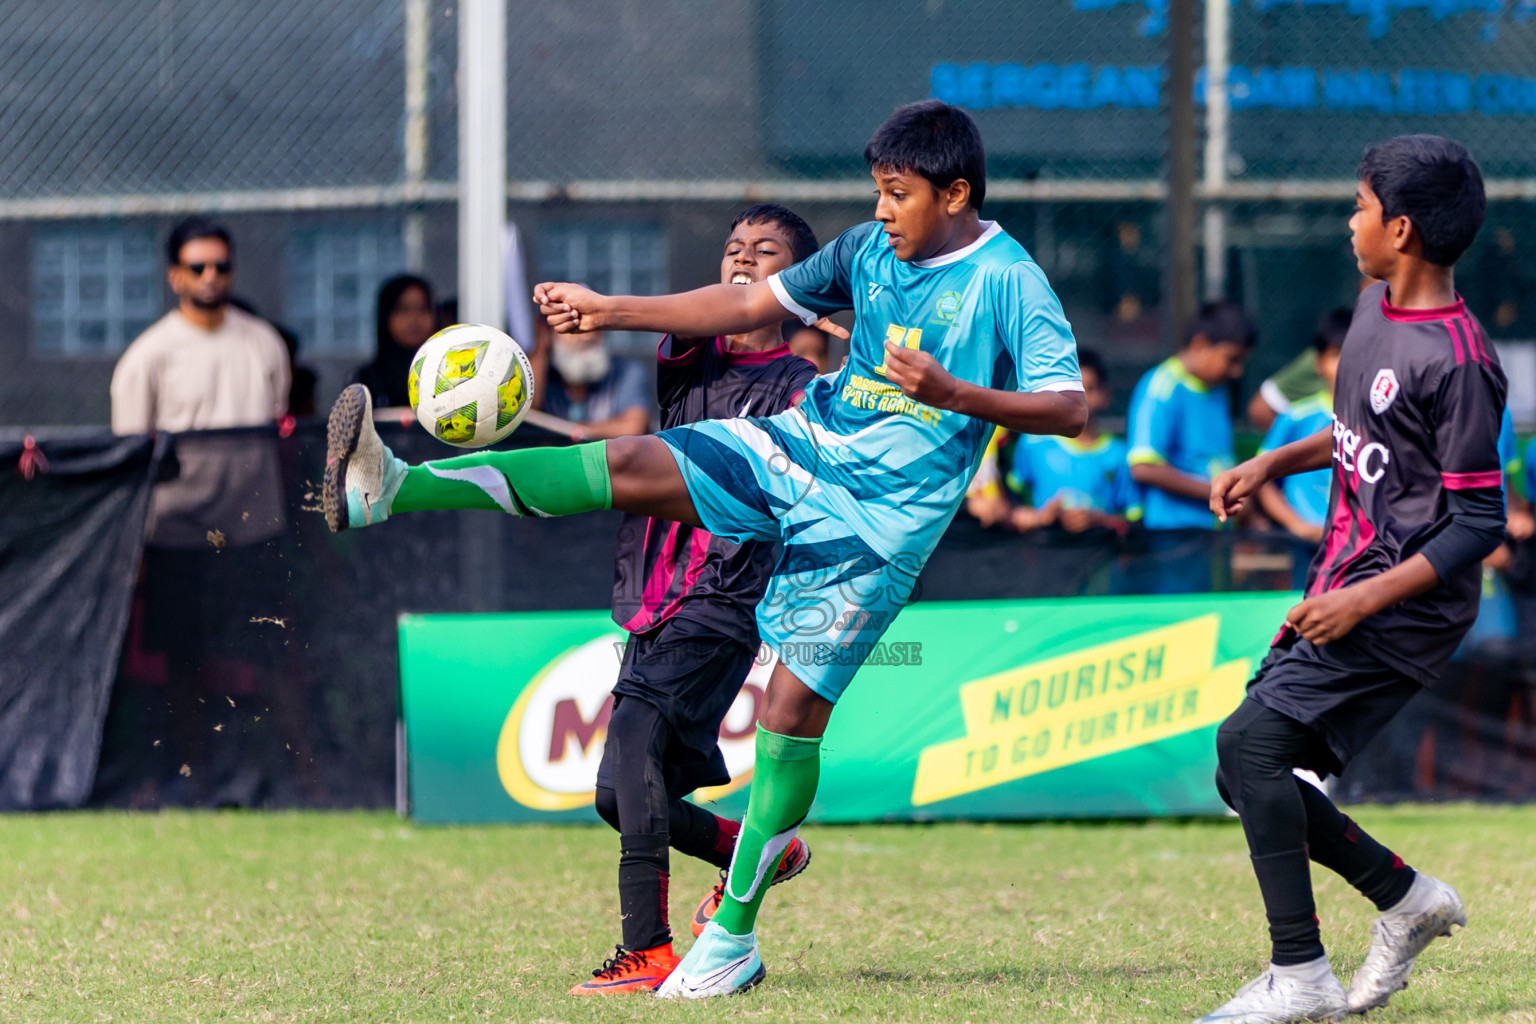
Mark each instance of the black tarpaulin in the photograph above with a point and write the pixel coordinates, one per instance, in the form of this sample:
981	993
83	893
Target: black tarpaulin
71	527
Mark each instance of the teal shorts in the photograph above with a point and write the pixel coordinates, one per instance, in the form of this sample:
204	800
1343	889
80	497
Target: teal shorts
841	577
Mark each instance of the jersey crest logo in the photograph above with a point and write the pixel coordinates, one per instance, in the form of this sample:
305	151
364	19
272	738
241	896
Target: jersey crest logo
874	289
1384	390
948	305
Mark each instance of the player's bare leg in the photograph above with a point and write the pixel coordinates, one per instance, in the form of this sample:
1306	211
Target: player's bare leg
726	960
365	483
645	479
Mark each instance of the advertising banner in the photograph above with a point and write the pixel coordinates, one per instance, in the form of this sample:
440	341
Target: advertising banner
1090	707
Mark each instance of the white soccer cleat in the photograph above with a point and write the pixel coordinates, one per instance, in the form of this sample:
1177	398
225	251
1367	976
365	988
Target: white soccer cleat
719	964
1282	999
1398	937
362	476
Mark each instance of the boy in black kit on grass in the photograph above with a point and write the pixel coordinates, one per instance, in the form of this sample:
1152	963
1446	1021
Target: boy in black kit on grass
689	602
1416	504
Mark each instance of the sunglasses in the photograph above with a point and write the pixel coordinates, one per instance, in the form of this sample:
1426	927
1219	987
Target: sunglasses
221	268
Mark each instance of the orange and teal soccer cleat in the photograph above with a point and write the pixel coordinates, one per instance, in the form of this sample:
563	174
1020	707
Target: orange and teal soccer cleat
797	857
630	970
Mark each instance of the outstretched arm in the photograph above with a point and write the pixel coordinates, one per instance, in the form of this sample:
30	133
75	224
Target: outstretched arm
701	313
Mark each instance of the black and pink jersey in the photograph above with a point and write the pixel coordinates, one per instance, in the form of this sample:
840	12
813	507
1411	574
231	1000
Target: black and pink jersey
1416	414
666	569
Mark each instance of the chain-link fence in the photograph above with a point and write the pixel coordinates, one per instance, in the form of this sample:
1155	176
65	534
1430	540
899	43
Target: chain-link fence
326	136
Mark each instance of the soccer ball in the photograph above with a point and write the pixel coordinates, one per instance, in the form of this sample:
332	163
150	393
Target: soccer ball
470	385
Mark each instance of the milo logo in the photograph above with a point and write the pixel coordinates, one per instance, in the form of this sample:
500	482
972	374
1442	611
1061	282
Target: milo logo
552	740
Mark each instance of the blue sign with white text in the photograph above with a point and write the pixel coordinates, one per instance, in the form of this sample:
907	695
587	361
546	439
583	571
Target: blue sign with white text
1074	87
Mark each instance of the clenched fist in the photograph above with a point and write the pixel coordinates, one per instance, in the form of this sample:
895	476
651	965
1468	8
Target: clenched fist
570	308
920	376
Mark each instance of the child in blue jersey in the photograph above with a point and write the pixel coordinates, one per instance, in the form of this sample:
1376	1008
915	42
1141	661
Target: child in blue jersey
956	330
1299	503
1180	422
1497	621
1077	483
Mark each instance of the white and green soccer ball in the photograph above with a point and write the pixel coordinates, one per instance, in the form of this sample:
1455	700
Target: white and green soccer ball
470	385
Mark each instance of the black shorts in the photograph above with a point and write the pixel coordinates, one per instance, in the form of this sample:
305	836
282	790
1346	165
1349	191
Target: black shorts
1340	691
691	674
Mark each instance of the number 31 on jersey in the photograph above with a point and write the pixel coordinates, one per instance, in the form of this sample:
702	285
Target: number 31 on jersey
908	337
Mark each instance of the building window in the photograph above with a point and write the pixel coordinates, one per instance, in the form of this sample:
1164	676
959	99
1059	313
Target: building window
334	275
614	259
93	289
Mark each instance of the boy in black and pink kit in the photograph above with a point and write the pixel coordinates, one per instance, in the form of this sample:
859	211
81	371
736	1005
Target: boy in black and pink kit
689	602
1416	504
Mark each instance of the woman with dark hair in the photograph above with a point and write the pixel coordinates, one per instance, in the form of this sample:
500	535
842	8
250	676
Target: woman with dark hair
405	320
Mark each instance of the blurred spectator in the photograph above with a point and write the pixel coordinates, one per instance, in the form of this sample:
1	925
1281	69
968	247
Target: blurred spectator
207	365
986	498
1296	381
1299	504
1293	382
608	397
202	365
1488	686
1179	424
1076	483
1519	523
447	312
405	318
1180	431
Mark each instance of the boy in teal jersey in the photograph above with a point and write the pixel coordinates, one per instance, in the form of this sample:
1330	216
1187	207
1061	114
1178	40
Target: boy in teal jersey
1180	421
957	329
1077	483
1299	503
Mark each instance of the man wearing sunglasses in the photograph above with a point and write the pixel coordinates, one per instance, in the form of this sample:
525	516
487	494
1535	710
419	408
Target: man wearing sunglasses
205	364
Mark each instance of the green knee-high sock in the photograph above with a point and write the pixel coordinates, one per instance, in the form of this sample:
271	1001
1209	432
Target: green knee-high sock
526	482
783	786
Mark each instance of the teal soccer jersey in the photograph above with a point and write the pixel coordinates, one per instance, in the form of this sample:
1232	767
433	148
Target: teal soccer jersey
984	312
859	482
1093	476
1307	493
1178	420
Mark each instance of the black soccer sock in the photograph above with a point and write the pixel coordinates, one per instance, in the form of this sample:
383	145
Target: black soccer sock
637	739
1257	748
1285	881
698	833
643	878
690	828
1337	843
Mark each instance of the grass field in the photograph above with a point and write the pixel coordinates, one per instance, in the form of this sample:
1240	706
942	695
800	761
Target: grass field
360	917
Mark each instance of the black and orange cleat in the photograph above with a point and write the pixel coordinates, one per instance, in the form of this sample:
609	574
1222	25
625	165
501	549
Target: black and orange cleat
630	970
797	857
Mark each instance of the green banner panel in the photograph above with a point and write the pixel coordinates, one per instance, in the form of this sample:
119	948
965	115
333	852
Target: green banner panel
1090	707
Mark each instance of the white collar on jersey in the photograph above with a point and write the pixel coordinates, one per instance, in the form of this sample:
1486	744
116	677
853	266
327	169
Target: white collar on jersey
989	229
